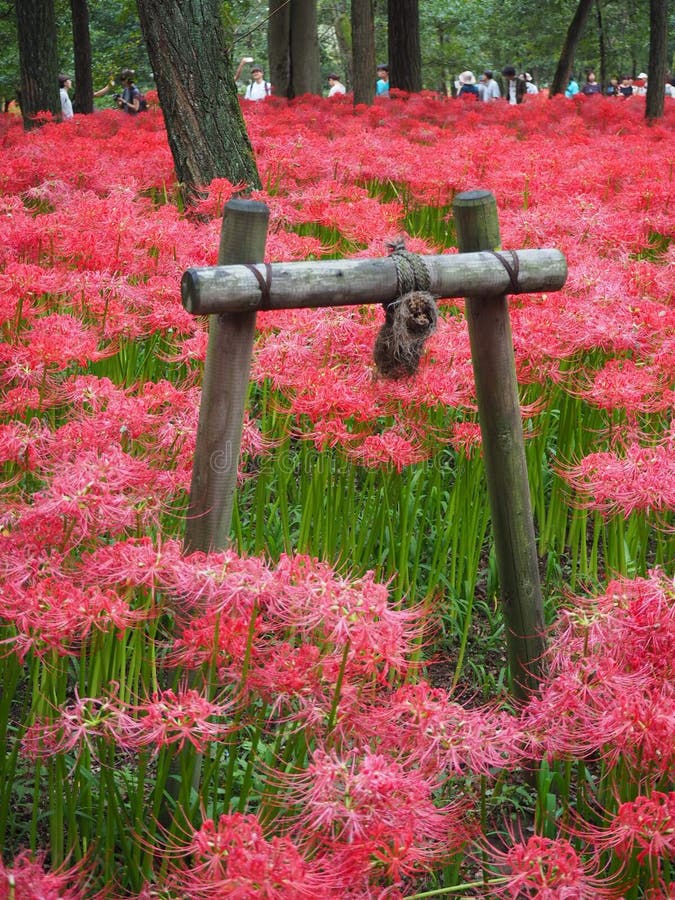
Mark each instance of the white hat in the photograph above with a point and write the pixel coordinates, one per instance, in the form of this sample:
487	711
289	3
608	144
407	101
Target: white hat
528	77
467	78
642	76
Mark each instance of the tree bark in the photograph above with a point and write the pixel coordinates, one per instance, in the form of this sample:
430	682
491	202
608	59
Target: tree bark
278	46
572	38
305	64
197	93
602	51
343	36
405	56
38	60
83	100
363	51
658	58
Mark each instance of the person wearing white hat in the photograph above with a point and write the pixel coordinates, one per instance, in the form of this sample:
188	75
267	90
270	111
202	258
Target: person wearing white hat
468	89
640	84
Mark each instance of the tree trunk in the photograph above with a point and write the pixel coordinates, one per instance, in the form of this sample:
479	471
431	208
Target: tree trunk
38	60
574	32
363	51
83	100
343	36
304	44
278	46
602	51
658	58
405	56
197	93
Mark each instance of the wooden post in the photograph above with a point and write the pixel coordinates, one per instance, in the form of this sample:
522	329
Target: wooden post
225	385
344	282
494	369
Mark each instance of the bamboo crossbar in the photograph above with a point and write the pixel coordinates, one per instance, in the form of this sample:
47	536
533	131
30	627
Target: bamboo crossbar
346	282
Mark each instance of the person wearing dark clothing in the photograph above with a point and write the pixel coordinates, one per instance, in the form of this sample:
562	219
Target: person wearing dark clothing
516	88
130	98
468	89
590	86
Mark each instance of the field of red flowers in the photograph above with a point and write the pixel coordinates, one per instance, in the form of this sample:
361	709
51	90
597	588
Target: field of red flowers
269	721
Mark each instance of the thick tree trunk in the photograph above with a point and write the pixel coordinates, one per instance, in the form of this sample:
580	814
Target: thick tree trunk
566	61
343	36
278	46
305	64
602	52
405	56
38	59
363	51
658	58
197	93
83	101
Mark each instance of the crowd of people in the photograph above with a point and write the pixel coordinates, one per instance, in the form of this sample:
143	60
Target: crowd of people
515	87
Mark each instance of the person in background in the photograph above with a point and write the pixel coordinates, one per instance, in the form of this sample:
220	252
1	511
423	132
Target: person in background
640	84
530	86
572	88
258	89
626	86
488	87
382	84
515	87
468	89
590	86
130	98
66	106
335	86
670	88
612	88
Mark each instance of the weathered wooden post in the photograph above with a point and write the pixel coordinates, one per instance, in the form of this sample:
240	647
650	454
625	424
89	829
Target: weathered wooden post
232	292
494	369
224	389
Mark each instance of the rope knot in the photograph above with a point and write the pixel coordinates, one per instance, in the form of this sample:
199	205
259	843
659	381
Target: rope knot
409	319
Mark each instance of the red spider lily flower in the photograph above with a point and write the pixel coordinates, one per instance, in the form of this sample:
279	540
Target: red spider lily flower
441	735
170	717
609	689
361	797
76	725
641	478
55	614
232	858
27	879
646	824
340	611
548	869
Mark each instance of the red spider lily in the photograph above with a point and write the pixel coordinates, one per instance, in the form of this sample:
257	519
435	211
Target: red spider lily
27	879
76	725
54	614
441	735
361	805
170	717
641	478
548	869
340	611
610	685
646	824
232	858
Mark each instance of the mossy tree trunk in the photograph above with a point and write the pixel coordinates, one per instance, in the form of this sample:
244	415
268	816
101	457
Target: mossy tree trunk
38	60
197	93
83	100
363	51
658	58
